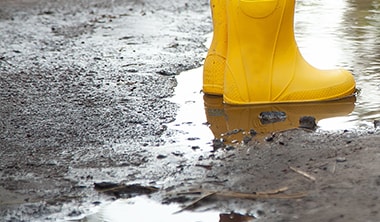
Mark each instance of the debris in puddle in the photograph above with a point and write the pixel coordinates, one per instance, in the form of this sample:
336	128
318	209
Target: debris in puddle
194	202
252	132
235	141
273	194
119	190
232	132
307	122
272	117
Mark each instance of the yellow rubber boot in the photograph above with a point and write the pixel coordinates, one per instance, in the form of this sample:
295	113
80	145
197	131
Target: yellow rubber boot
214	65
264	64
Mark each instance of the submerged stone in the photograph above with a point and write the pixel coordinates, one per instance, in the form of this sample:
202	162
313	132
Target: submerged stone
272	117
307	122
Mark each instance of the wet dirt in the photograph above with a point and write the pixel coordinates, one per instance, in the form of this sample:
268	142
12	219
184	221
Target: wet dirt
85	100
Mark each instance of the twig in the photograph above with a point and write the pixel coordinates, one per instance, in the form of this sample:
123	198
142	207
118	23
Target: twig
310	177
261	196
275	194
208	194
334	168
280	190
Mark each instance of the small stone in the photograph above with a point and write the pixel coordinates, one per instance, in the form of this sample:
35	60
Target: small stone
160	156
269	138
233	132
341	159
217	143
96	203
252	132
229	148
272	117
177	153
247	139
307	122
195	147
377	181
74	213
376	123
260	213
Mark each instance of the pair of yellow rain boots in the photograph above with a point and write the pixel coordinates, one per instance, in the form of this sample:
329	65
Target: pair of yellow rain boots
254	58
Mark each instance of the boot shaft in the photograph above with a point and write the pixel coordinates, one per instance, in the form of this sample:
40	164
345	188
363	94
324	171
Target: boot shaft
263	62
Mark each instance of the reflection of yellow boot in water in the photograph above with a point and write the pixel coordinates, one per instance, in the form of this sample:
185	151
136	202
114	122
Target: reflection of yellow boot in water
215	115
263	63
214	65
243	119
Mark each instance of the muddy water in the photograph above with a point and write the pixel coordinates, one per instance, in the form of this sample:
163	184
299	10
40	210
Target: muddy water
339	33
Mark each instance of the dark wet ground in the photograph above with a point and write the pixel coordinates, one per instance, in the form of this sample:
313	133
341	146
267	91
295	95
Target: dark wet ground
85	98
82	87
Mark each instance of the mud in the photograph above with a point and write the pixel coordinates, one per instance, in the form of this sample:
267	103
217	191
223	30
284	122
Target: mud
84	100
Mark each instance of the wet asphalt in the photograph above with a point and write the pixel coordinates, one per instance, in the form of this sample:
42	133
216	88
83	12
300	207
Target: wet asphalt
79	78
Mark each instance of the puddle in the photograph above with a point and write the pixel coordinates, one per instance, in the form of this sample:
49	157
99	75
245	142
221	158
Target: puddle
144	209
233	123
344	35
135	209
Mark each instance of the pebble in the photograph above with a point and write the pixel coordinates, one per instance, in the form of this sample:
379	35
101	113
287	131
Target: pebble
252	132
217	143
161	156
247	139
341	159
307	122
272	117
376	123
269	138
178	153
229	148
195	147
